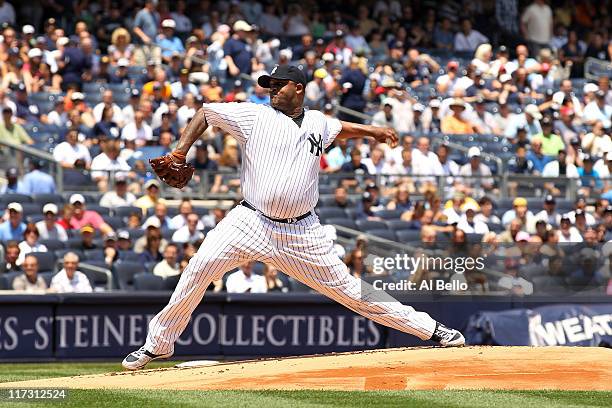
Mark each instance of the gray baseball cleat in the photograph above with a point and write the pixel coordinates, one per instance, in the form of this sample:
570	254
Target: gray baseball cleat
140	358
447	337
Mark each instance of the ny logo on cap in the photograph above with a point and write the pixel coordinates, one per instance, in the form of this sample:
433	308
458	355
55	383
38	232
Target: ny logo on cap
274	70
316	145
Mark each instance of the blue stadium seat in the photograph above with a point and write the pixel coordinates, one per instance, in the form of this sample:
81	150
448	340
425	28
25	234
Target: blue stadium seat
129	256
297	286
409	236
94	255
148	281
370	225
345	222
7	198
125	211
115	222
331	212
6	280
125	272
383	233
46	261
396	225
103	211
171	281
47	276
48	198
389	214
53	244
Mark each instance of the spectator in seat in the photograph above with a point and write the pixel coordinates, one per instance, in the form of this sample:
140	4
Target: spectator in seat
245	281
30	243
512	282
82	216
108	161
29	281
151	197
168	42
189	232
598	110
521	212
12	181
124	242
152	251
559	168
106	127
13	132
551	142
469	224
529	119
486	214
590	181
87	238
537	157
273	282
75	64
455	123
365	210
401	200
203	162
138	130
180	220
567	232
468	39
69	279
152	228
597	142
36	181
476	168
49	227
10	258
161	214
169	266
341	197
121	197
13	229
71	150
549	213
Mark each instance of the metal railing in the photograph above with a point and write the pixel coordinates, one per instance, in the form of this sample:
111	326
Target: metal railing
15	155
594	68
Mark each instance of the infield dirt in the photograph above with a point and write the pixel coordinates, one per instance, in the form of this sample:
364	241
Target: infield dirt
475	367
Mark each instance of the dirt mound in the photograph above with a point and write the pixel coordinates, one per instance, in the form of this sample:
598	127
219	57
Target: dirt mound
516	368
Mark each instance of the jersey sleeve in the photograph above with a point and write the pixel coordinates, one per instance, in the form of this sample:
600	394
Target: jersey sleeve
332	129
235	118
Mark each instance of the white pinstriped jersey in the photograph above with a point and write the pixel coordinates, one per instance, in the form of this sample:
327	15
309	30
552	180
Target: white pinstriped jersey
280	160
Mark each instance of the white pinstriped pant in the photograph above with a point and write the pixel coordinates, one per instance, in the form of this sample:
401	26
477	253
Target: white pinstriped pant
301	250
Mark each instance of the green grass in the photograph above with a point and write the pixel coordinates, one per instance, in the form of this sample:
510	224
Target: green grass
292	399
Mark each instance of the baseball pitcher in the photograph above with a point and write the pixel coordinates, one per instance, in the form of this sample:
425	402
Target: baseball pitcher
275	223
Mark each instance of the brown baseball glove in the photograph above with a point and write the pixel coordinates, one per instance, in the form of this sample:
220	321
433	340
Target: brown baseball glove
172	169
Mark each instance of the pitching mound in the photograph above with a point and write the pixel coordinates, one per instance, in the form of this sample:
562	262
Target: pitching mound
516	368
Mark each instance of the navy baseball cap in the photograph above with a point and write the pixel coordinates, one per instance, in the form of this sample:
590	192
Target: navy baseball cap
283	72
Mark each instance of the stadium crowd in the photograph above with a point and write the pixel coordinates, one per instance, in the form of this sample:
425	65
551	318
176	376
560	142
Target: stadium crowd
103	86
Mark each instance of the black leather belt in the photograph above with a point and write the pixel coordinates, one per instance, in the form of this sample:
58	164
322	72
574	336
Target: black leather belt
248	205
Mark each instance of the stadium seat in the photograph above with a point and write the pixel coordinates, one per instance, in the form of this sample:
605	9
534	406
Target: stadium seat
53	244
473	238
46	261
116	223
383	233
59	253
125	211
148	281
135	233
103	211
130	256
31	209
7	198
410	237
331	212
99	279
94	255
6	280
389	214
344	222
370	225
47	276
171	282
125	272
396	225
43	199
297	286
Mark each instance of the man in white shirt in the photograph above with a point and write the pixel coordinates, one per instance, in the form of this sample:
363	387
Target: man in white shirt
108	160
549	214
180	220
137	130
425	162
69	151
375	162
598	110
121	197
568	233
245	281
69	280
189	232
48	228
469	224
474	167
468	39
169	266
537	23
107	100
